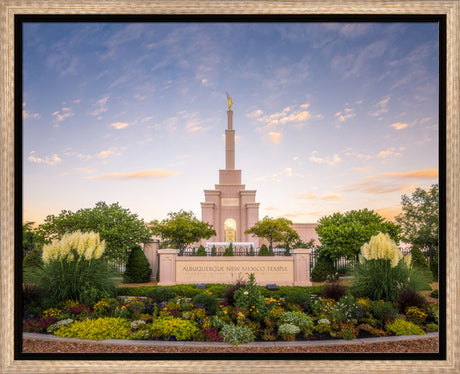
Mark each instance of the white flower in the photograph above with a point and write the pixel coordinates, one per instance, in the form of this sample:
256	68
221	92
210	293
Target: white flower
245	293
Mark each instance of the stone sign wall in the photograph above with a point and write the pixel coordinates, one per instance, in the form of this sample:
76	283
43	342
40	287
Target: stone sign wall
290	271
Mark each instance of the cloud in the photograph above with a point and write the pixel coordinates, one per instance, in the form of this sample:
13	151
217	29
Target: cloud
377	187
274	137
297	115
87	170
61	115
142	174
312	196
358	155
382	107
193	126
399	126
328	160
111	151
255	114
119	125
354	29
415	174
346	114
288	172
100	106
388	153
53	160
27	115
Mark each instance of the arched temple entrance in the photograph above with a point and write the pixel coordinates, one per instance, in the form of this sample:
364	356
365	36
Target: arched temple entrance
230	230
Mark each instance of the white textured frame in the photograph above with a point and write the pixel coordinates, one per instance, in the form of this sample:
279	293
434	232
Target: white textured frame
450	8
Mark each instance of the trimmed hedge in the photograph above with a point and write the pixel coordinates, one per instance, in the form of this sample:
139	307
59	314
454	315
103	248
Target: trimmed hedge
190	290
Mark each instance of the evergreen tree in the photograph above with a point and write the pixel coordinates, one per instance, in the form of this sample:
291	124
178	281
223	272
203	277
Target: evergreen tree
324	267
418	260
201	251
229	250
137	268
213	251
263	251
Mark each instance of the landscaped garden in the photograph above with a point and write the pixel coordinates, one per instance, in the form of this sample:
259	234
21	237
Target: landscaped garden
76	299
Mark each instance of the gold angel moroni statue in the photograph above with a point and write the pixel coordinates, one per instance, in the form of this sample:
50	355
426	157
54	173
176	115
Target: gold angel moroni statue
229	101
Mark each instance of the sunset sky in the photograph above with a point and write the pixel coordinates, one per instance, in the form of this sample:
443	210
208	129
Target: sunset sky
328	116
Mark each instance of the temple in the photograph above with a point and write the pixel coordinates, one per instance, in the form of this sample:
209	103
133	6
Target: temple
229	207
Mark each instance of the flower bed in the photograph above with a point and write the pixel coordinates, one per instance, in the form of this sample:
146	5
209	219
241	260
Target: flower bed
251	317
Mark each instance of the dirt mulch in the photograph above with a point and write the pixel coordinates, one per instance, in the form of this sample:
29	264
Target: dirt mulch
429	345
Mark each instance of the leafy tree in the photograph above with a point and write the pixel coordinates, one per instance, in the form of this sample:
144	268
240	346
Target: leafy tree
120	228
137	268
181	229
30	241
343	234
275	230
419	218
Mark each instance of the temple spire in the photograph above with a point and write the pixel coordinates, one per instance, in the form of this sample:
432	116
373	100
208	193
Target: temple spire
229	139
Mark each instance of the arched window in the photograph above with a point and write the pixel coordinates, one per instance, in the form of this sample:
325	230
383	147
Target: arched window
230	230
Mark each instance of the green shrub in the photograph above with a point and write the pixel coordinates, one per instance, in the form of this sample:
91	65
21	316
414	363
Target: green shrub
201	251
383	311
418	258
288	331
218	289
228	250
435	294
74	269
249	298
236	335
251	251
419	262
33	259
263	251
298	297
402	327
377	279
97	329
134	291
137	268
161	294
299	319
432	326
324	267
213	251
170	328
206	301
383	269
186	290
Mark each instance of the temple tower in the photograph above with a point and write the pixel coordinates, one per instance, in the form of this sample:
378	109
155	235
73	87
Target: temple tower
230	208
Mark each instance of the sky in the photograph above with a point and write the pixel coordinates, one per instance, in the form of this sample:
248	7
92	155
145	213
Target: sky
329	117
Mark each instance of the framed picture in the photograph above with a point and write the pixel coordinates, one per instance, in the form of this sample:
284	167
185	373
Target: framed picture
330	108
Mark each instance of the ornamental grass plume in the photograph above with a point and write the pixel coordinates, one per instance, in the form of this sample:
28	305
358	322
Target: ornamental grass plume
74	268
382	271
84	245
381	246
